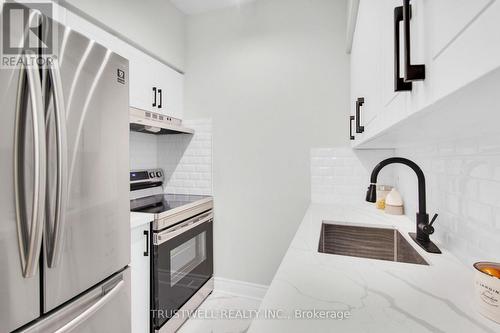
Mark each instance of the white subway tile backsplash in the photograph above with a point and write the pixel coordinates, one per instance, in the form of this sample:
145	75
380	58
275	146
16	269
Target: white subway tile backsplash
143	151
489	192
185	159
479	169
470	187
463	186
342	175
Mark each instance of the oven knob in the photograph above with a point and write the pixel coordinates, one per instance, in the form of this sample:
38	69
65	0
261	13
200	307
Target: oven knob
158	174
151	175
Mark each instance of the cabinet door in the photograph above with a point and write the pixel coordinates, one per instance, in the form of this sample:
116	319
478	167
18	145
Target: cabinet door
140	266
462	43
155	86
171	84
365	61
142	81
394	103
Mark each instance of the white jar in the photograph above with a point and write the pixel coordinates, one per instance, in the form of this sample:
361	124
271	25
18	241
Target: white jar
394	203
487	281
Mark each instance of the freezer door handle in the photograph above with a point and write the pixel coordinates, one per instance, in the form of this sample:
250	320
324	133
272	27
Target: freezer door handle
54	233
105	297
30	237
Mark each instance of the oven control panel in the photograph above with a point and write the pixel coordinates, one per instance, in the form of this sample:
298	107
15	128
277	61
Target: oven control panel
140	179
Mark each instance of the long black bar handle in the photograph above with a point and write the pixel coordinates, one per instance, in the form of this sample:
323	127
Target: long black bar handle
351	119
411	72
160	103
399	82
146	253
359	104
154	96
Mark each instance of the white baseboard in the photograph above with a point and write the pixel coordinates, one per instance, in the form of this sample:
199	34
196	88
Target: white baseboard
240	288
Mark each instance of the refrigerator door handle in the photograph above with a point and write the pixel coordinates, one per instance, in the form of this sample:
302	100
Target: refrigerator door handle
30	237
54	237
106	296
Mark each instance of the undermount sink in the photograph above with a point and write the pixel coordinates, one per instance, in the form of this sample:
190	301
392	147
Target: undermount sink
367	242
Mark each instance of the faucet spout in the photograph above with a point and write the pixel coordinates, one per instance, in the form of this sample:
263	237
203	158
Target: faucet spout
414	167
424	228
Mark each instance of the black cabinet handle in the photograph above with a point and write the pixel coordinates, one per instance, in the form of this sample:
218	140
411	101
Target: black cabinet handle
146	253
160	103
359	104
351	119
154	96
412	72
399	82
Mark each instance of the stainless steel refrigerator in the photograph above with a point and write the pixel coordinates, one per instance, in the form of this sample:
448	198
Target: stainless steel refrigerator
64	196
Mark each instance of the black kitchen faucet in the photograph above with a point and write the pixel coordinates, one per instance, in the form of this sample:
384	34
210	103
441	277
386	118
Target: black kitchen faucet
424	228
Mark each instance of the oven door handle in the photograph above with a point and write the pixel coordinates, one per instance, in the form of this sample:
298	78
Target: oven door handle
168	234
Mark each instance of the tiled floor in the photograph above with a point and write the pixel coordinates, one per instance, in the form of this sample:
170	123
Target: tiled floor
219	307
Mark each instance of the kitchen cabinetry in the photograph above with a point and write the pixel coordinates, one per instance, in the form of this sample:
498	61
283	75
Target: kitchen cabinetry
140	266
462	42
153	85
456	40
365	64
172	85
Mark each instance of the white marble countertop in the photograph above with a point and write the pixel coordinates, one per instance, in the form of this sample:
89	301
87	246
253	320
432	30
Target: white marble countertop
381	296
139	219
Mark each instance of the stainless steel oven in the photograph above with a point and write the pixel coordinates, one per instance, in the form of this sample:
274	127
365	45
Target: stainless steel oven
181	247
182	267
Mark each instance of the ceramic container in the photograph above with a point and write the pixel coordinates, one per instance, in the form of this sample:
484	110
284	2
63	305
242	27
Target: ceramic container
394	203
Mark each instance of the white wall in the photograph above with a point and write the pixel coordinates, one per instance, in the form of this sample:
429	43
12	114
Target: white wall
156	25
274	77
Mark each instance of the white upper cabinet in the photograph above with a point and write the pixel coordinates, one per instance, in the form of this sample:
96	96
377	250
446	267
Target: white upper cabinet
159	88
462	42
141	80
153	85
366	65
171	84
458	41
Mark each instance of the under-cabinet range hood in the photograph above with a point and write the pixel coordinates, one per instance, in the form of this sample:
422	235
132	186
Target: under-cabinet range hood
155	123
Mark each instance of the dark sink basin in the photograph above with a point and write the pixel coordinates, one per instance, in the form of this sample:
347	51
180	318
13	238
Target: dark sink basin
366	242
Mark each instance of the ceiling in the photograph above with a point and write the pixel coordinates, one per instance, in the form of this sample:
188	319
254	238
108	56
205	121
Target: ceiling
192	7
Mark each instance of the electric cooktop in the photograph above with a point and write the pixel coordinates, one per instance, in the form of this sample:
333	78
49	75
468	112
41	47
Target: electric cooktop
160	203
